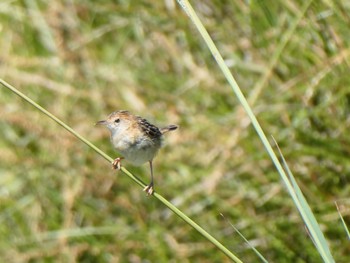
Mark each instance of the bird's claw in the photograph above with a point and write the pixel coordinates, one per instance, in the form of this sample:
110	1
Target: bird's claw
149	189
116	164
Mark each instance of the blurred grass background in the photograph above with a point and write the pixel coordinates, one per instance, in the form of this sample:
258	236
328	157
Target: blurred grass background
81	60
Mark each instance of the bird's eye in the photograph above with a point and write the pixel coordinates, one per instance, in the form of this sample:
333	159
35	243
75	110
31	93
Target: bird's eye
117	120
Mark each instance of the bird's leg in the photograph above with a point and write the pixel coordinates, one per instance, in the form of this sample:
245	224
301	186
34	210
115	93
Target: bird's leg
116	164
149	188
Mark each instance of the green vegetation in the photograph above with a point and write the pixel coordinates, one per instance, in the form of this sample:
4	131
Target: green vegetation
61	202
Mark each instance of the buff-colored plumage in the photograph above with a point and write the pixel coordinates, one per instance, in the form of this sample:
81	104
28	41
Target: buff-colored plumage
135	138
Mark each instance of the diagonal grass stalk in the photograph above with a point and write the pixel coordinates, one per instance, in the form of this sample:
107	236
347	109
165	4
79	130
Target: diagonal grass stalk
301	204
342	221
173	208
263	259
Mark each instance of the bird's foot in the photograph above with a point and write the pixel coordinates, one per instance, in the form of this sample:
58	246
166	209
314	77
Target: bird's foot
149	189
116	164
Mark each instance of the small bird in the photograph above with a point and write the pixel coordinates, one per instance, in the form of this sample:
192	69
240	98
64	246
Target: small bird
136	139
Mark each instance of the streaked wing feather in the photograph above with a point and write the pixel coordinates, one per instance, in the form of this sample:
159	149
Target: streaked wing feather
151	130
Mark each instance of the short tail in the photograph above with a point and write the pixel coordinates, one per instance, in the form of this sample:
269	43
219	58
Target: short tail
168	128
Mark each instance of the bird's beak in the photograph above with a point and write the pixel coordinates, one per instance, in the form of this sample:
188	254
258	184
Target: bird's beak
104	122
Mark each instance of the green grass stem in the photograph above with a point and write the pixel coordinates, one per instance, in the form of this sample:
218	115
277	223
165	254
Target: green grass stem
306	214
343	221
263	259
178	212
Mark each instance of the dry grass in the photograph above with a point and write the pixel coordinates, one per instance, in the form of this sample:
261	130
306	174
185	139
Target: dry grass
81	60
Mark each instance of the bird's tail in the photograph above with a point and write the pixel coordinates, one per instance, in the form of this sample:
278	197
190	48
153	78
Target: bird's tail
168	128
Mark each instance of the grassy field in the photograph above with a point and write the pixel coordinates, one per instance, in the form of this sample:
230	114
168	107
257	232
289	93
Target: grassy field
81	60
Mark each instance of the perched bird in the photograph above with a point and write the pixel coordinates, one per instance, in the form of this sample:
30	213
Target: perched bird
136	139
